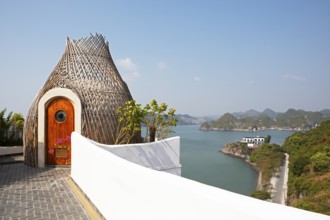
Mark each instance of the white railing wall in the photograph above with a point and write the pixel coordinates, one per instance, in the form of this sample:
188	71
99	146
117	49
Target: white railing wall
124	190
11	150
162	155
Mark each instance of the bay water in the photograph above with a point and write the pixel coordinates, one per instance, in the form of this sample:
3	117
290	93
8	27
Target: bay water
201	160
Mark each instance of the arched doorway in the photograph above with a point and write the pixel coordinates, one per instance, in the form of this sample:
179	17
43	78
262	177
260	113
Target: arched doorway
59	126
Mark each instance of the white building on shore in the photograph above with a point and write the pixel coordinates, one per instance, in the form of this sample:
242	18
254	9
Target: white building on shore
253	142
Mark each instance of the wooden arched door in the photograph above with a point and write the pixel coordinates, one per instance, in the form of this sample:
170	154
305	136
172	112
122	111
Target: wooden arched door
60	125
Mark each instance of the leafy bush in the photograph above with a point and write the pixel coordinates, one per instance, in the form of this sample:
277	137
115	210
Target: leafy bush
298	165
320	162
11	129
261	194
157	118
129	123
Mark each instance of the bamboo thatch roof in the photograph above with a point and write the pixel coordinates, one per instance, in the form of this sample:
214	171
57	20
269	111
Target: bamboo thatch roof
87	69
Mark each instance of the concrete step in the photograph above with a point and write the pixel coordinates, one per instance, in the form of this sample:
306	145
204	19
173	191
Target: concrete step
11	158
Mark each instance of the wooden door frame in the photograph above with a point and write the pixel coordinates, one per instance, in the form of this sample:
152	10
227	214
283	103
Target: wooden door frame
46	99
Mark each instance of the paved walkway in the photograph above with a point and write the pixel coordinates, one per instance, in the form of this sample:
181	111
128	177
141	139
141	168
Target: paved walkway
37	193
9	159
280	182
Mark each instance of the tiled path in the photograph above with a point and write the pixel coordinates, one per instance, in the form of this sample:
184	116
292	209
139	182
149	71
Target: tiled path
37	193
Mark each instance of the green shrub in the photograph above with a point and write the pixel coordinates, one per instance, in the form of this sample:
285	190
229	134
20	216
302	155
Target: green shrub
262	195
11	129
320	162
298	165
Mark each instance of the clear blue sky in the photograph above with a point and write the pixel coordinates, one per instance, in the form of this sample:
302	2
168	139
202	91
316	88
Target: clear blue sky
201	57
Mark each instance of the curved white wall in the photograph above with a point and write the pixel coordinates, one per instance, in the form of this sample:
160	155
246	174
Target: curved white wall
162	155
123	190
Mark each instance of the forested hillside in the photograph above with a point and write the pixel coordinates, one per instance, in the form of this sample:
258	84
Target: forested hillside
268	119
309	165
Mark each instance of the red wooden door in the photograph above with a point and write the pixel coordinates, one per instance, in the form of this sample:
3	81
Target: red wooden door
60	125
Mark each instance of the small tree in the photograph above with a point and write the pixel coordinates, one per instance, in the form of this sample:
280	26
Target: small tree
156	118
11	129
158	122
267	139
129	122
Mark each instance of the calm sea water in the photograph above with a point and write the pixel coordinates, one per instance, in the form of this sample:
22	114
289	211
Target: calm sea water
202	161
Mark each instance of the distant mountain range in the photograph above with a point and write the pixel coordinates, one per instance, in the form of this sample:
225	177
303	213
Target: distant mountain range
252	113
268	119
184	119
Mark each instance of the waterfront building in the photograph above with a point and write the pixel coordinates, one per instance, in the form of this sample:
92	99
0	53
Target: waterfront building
253	142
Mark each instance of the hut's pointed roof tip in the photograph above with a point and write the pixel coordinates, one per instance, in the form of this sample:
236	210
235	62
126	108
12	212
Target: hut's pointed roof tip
67	40
96	38
96	35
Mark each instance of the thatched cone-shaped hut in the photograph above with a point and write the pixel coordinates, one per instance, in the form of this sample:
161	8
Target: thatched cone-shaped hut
82	94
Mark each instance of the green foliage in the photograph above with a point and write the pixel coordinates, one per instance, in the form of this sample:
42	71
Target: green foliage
206	125
299	118
268	159
266	151
267	139
293	142
230	122
317	203
298	165
238	149
310	193
129	122
261	194
226	122
320	162
309	169
11	129
158	120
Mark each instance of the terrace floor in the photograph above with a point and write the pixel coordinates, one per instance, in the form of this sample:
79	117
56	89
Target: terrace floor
37	193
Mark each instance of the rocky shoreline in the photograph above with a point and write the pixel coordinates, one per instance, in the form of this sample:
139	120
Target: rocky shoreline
275	183
237	154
